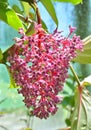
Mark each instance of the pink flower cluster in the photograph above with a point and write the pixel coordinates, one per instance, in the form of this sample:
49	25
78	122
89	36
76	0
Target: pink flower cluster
39	64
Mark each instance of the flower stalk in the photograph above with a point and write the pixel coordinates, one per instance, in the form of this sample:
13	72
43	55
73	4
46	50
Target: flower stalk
38	14
35	7
75	75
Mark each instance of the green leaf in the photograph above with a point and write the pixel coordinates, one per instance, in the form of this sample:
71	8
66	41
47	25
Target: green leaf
1	55
44	25
68	101
50	8
3	1
87	81
81	118
26	7
12	81
28	129
84	57
9	16
17	9
71	1
1	101
28	1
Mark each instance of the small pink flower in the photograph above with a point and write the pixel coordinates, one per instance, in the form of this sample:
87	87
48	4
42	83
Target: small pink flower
21	31
72	29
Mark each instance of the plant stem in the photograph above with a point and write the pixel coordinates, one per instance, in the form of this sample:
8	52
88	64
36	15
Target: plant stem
28	122
35	7
75	75
26	20
37	13
67	128
28	119
31	123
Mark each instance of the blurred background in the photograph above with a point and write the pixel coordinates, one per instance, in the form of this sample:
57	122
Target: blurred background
13	114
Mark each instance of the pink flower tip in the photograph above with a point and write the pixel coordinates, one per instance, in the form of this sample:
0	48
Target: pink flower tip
71	29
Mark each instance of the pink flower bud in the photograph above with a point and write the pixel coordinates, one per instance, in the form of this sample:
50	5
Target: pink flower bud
72	29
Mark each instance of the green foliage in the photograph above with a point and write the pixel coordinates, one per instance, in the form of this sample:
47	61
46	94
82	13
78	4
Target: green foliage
26	7
50	8
84	57
3	2
81	117
28	1
44	25
9	98
1	55
72	1
12	81
87	81
1	101
17	9
28	129
9	16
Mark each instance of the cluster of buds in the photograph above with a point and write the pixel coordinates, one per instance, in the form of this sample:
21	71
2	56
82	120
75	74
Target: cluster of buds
39	64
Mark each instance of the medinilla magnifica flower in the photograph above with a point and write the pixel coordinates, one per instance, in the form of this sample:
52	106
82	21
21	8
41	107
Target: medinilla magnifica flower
39	64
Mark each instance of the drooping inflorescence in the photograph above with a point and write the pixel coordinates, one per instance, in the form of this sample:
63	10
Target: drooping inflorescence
39	64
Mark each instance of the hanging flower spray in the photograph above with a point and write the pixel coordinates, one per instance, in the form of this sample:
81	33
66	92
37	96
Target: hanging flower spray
39	64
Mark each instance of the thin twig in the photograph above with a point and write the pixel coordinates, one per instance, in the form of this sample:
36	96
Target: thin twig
67	128
27	20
